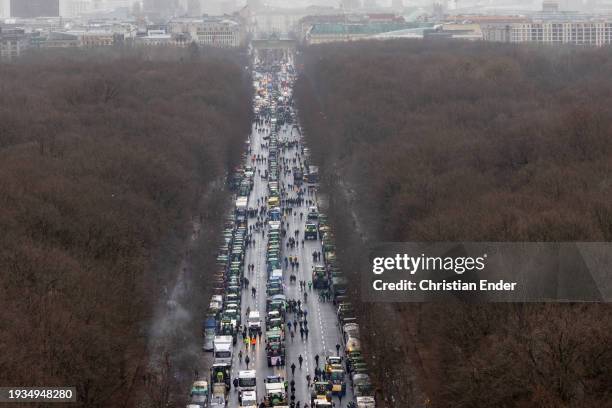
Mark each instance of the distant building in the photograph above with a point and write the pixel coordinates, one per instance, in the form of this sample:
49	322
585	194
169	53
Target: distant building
550	6
551	32
348	27
305	24
34	8
210	31
75	8
349	31
221	33
95	39
497	32
13	43
60	40
282	22
472	32
154	38
5	8
578	33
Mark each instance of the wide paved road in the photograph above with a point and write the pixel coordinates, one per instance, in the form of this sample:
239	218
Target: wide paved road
323	328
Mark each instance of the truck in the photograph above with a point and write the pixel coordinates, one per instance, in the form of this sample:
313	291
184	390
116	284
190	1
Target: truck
254	322
320	392
298	176
275	348
313	214
362	386
365	402
276	274
336	381
275	394
222	349
210	331
311	231
319	277
247	380
338	286
248	399
274	214
220	375
218	396
312	176
241	209
199	393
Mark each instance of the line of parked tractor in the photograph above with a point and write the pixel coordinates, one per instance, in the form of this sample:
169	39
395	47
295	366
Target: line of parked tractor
223	325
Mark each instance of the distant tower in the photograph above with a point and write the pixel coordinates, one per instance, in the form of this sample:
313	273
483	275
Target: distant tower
5	8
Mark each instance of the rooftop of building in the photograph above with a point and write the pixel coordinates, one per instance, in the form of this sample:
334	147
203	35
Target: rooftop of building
369	28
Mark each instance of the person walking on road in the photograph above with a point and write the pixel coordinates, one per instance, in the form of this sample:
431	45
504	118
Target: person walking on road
292	336
338	349
247	360
300	360
292	369
317	360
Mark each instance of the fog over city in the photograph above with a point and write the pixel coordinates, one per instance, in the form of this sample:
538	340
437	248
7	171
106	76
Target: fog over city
70	8
306	203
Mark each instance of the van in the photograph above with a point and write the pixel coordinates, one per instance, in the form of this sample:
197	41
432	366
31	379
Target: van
254	322
248	399
276	274
247	380
222	349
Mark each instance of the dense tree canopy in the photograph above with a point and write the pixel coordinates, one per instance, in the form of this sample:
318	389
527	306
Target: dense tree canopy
102	161
451	141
